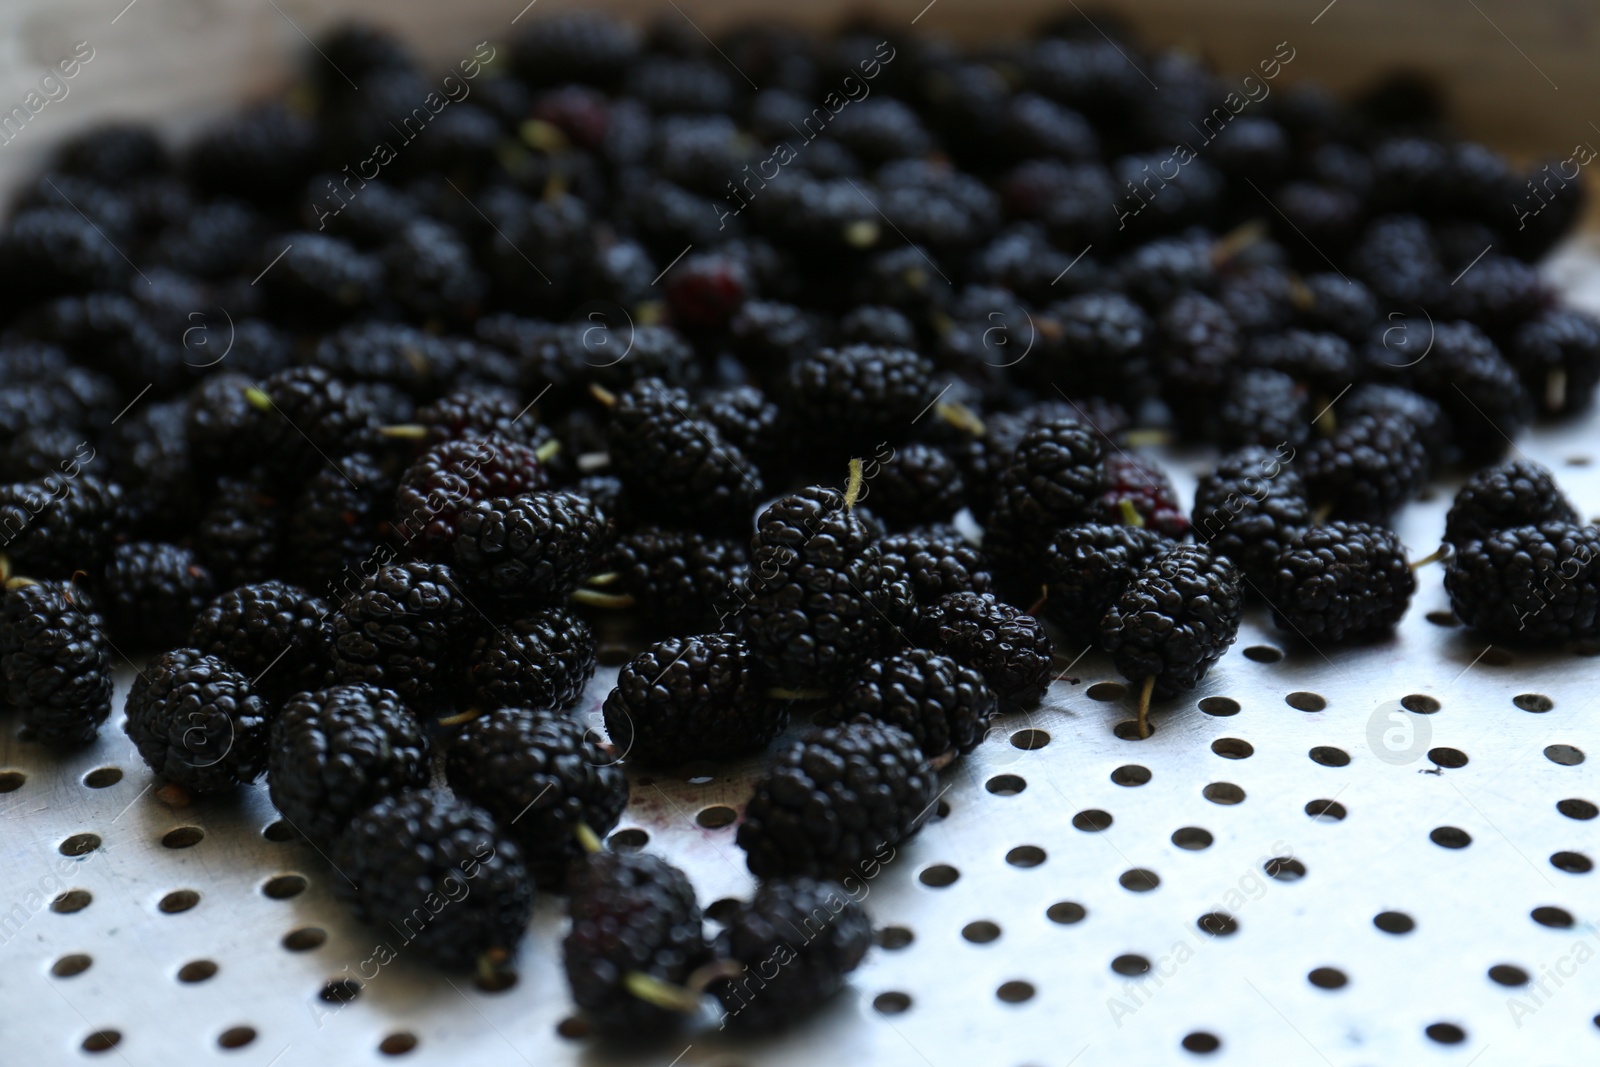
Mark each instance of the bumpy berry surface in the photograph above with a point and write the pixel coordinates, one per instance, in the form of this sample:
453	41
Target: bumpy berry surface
531	549
1009	647
837	799
1346	581
405	630
153	591
682	582
197	722
1249	507
451	477
944	705
1087	567
1518	493
837	935
276	634
56	663
338	751
1529	584
632	913
542	660
692	698
439	872
1175	620
541	775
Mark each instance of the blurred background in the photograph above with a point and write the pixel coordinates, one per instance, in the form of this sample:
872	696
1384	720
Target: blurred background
1517	75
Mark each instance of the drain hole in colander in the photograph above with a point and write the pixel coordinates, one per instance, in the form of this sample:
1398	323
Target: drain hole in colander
892	1003
73	964
1450	837
1130	774
102	1041
304	939
1106	691
1442	618
1284	869
939	875
279	831
1508	975
1232	748
179	900
183	837
1263	653
981	932
1025	856
1030	740
1015	992
284	886
1006	785
11	781
1420	704
1130	965
716	817
1326	810
340	991
630	840
1092	820
1451	758
1218	924
1394	922
1303	701
1192	838
101	777
196	971
1066	913
1223	793
80	844
1566	755
1537	703
1572	862
1219	706
1555	918
1329	756
70	901
1139	880
398	1044
1328	978
1201	1042
236	1036
1446	1033
1128	730
1573	808
895	937
572	1028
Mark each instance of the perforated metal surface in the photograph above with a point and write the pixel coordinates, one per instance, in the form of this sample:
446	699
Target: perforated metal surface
1066	857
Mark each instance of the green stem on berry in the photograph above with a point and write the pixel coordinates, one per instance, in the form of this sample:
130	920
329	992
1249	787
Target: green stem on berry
960	416
777	693
661	994
943	759
1130	514
1319	517
1144	705
1146	438
588	840
862	233
703	976
603	578
543	136
595	599
1327	422
602	394
1444	551
1231	244
546	450
852	489
1555	390
460	717
19	583
491	965
405	431
258	399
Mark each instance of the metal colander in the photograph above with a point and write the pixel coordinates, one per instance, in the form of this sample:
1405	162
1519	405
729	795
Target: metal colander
1354	857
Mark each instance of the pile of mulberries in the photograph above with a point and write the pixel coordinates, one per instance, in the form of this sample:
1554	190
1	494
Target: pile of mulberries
859	442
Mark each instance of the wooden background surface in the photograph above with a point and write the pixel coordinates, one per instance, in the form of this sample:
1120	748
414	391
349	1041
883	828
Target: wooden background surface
1526	81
